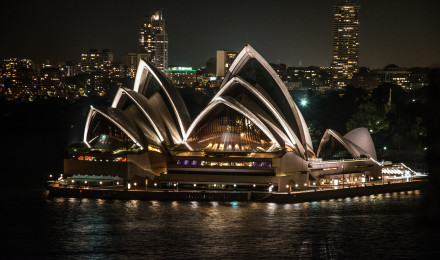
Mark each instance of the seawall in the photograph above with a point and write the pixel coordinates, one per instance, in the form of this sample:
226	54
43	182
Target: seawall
232	196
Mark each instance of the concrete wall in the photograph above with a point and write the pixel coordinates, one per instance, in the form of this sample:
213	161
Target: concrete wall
149	161
291	169
289	164
287	183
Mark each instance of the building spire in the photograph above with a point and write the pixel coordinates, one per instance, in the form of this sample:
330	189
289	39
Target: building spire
389	99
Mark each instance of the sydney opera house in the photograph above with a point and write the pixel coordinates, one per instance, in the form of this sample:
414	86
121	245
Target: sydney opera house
251	136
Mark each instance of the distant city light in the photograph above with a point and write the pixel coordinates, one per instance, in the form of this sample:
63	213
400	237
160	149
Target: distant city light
180	69
304	102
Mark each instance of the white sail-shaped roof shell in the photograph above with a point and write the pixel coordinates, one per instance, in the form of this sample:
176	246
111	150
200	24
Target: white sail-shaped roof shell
154	106
357	142
171	96
266	102
289	114
119	119
279	120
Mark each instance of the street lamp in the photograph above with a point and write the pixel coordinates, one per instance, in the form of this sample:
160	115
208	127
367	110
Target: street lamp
304	102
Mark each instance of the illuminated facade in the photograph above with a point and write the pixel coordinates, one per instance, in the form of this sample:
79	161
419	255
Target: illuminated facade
93	60
153	40
346	31
18	79
224	61
251	135
182	76
51	82
395	75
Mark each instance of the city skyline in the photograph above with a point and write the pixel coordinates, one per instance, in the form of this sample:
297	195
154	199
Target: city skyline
393	32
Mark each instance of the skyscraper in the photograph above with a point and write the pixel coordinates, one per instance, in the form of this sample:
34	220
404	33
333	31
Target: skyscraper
345	42
153	40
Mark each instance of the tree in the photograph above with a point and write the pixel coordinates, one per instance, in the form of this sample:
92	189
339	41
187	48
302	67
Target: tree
370	117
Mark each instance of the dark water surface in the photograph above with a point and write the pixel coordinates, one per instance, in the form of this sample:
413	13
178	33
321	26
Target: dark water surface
380	226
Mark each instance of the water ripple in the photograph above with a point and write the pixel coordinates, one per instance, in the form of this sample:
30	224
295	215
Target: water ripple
382	226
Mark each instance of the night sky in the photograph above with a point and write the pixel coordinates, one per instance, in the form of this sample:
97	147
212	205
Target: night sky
403	32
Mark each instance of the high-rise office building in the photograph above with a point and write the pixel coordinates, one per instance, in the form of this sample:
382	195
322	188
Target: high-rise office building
98	66
224	61
345	42
96	61
153	40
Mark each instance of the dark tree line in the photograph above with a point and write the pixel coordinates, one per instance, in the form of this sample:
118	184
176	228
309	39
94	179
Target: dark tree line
397	124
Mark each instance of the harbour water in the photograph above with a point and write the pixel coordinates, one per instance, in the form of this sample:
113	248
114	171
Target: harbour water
377	226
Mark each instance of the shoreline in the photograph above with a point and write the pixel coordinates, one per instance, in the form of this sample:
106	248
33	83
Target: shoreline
253	196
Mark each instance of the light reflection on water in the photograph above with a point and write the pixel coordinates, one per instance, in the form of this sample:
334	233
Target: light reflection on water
377	226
